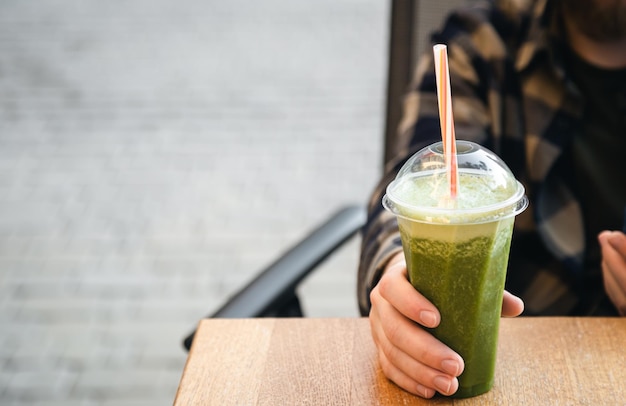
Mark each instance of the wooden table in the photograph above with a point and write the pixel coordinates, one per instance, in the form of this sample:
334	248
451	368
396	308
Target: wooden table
541	361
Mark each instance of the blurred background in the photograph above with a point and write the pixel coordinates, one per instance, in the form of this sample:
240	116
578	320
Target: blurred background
154	156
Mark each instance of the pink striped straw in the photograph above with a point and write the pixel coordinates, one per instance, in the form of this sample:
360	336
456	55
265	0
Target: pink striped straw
442	74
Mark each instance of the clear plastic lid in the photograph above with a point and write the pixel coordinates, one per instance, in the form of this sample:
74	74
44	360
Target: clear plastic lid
488	191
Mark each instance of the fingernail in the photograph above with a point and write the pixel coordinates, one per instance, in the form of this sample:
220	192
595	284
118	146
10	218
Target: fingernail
605	237
614	242
428	318
442	384
425	392
450	366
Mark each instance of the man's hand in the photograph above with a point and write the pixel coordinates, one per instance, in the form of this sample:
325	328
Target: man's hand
613	245
409	355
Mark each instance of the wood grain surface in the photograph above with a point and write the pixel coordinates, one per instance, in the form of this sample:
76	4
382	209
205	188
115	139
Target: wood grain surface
541	361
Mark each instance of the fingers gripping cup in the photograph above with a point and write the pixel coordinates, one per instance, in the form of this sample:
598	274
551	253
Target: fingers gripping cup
457	249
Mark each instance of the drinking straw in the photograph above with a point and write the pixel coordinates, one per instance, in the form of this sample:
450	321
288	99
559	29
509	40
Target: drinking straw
444	98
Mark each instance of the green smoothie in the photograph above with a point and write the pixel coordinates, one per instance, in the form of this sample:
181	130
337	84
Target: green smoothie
457	256
461	270
457	247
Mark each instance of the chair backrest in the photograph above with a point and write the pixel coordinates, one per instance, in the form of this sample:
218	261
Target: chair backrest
412	22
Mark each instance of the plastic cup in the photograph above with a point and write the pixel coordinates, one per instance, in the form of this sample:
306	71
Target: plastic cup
457	250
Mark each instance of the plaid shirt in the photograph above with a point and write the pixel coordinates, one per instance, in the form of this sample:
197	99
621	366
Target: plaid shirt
510	94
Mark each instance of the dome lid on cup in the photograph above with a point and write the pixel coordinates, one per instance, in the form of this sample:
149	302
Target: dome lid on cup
487	191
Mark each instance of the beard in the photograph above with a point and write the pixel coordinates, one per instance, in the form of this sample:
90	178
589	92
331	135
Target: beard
599	20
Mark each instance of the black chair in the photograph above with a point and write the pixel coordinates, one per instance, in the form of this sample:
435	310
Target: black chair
272	293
